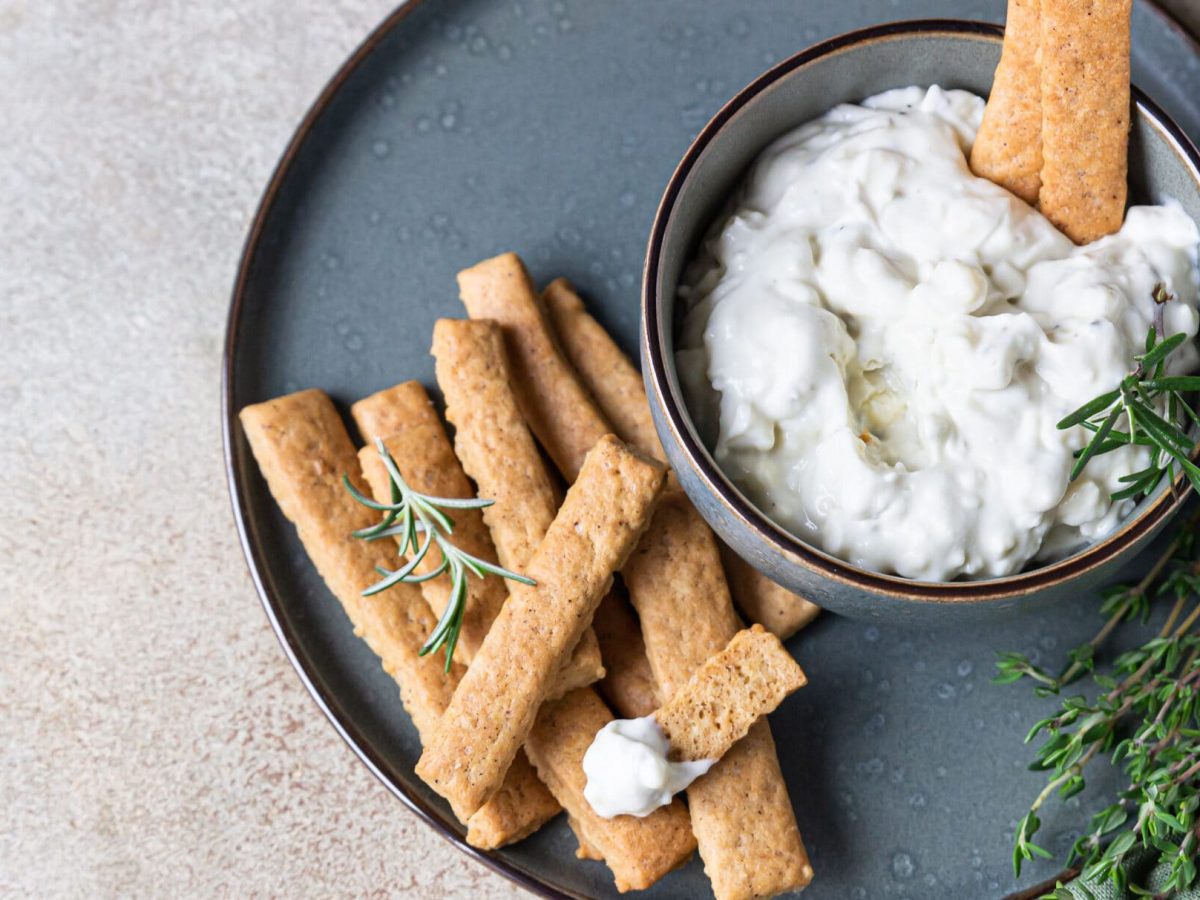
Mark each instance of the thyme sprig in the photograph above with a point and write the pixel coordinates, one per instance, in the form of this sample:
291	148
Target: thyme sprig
410	515
1155	411
1144	716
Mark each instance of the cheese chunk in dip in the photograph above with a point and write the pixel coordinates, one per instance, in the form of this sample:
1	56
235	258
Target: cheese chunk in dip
878	345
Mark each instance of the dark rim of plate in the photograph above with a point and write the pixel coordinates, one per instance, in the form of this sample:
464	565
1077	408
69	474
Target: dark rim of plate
660	368
234	448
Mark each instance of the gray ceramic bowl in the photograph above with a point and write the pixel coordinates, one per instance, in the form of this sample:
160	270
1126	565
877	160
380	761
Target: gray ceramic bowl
953	54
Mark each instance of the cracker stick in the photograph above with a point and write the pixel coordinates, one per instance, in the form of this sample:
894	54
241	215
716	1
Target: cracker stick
621	397
1085	115
491	437
553	401
521	806
422	451
728	694
303	450
607	373
498	452
763	601
638	851
1008	147
628	685
493	709
741	814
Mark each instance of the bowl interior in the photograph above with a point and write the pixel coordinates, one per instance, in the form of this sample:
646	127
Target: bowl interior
962	55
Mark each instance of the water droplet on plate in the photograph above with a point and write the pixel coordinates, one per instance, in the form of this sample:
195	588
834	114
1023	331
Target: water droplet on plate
964	668
381	149
903	866
946	691
871	633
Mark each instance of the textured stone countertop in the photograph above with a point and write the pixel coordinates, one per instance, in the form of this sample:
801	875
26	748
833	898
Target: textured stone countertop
153	738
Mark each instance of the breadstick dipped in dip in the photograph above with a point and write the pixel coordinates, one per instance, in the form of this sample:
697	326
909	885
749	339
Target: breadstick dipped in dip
741	814
621	397
1085	115
1008	147
635	765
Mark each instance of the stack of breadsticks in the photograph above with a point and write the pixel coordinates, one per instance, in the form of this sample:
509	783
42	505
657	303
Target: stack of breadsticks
541	669
1055	130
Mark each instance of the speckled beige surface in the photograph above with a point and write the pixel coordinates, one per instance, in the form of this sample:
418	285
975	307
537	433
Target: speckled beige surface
153	739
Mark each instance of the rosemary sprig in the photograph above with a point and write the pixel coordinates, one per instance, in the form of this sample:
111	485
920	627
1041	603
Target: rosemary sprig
1155	412
410	515
1144	716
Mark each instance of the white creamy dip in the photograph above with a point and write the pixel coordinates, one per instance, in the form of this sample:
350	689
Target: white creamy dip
628	773
879	344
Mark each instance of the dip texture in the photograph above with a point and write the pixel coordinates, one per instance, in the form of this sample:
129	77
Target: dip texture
878	345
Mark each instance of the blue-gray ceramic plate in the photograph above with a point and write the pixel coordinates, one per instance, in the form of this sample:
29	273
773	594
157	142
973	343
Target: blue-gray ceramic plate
462	128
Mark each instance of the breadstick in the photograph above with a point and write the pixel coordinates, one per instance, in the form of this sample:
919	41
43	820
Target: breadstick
638	851
750	845
1085	115
424	456
628	684
621	398
302	449
493	709
1008	147
763	601
554	403
607	373
728	694
491	437
521	806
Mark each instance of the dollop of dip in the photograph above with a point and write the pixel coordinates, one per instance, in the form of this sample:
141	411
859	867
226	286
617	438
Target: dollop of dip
879	345
628	773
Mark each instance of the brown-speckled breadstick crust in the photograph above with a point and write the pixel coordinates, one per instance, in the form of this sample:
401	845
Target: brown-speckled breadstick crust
731	691
492	711
741	813
1008	147
760	838
763	601
498	452
1085	115
620	395
586	850
491	437
394	410
639	851
521	806
424	456
303	450
605	370
553	400
628	684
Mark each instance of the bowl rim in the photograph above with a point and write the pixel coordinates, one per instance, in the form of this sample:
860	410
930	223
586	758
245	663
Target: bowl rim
678	422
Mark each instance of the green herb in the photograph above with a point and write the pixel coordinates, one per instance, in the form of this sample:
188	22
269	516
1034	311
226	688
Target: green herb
1154	410
1144	717
407	517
